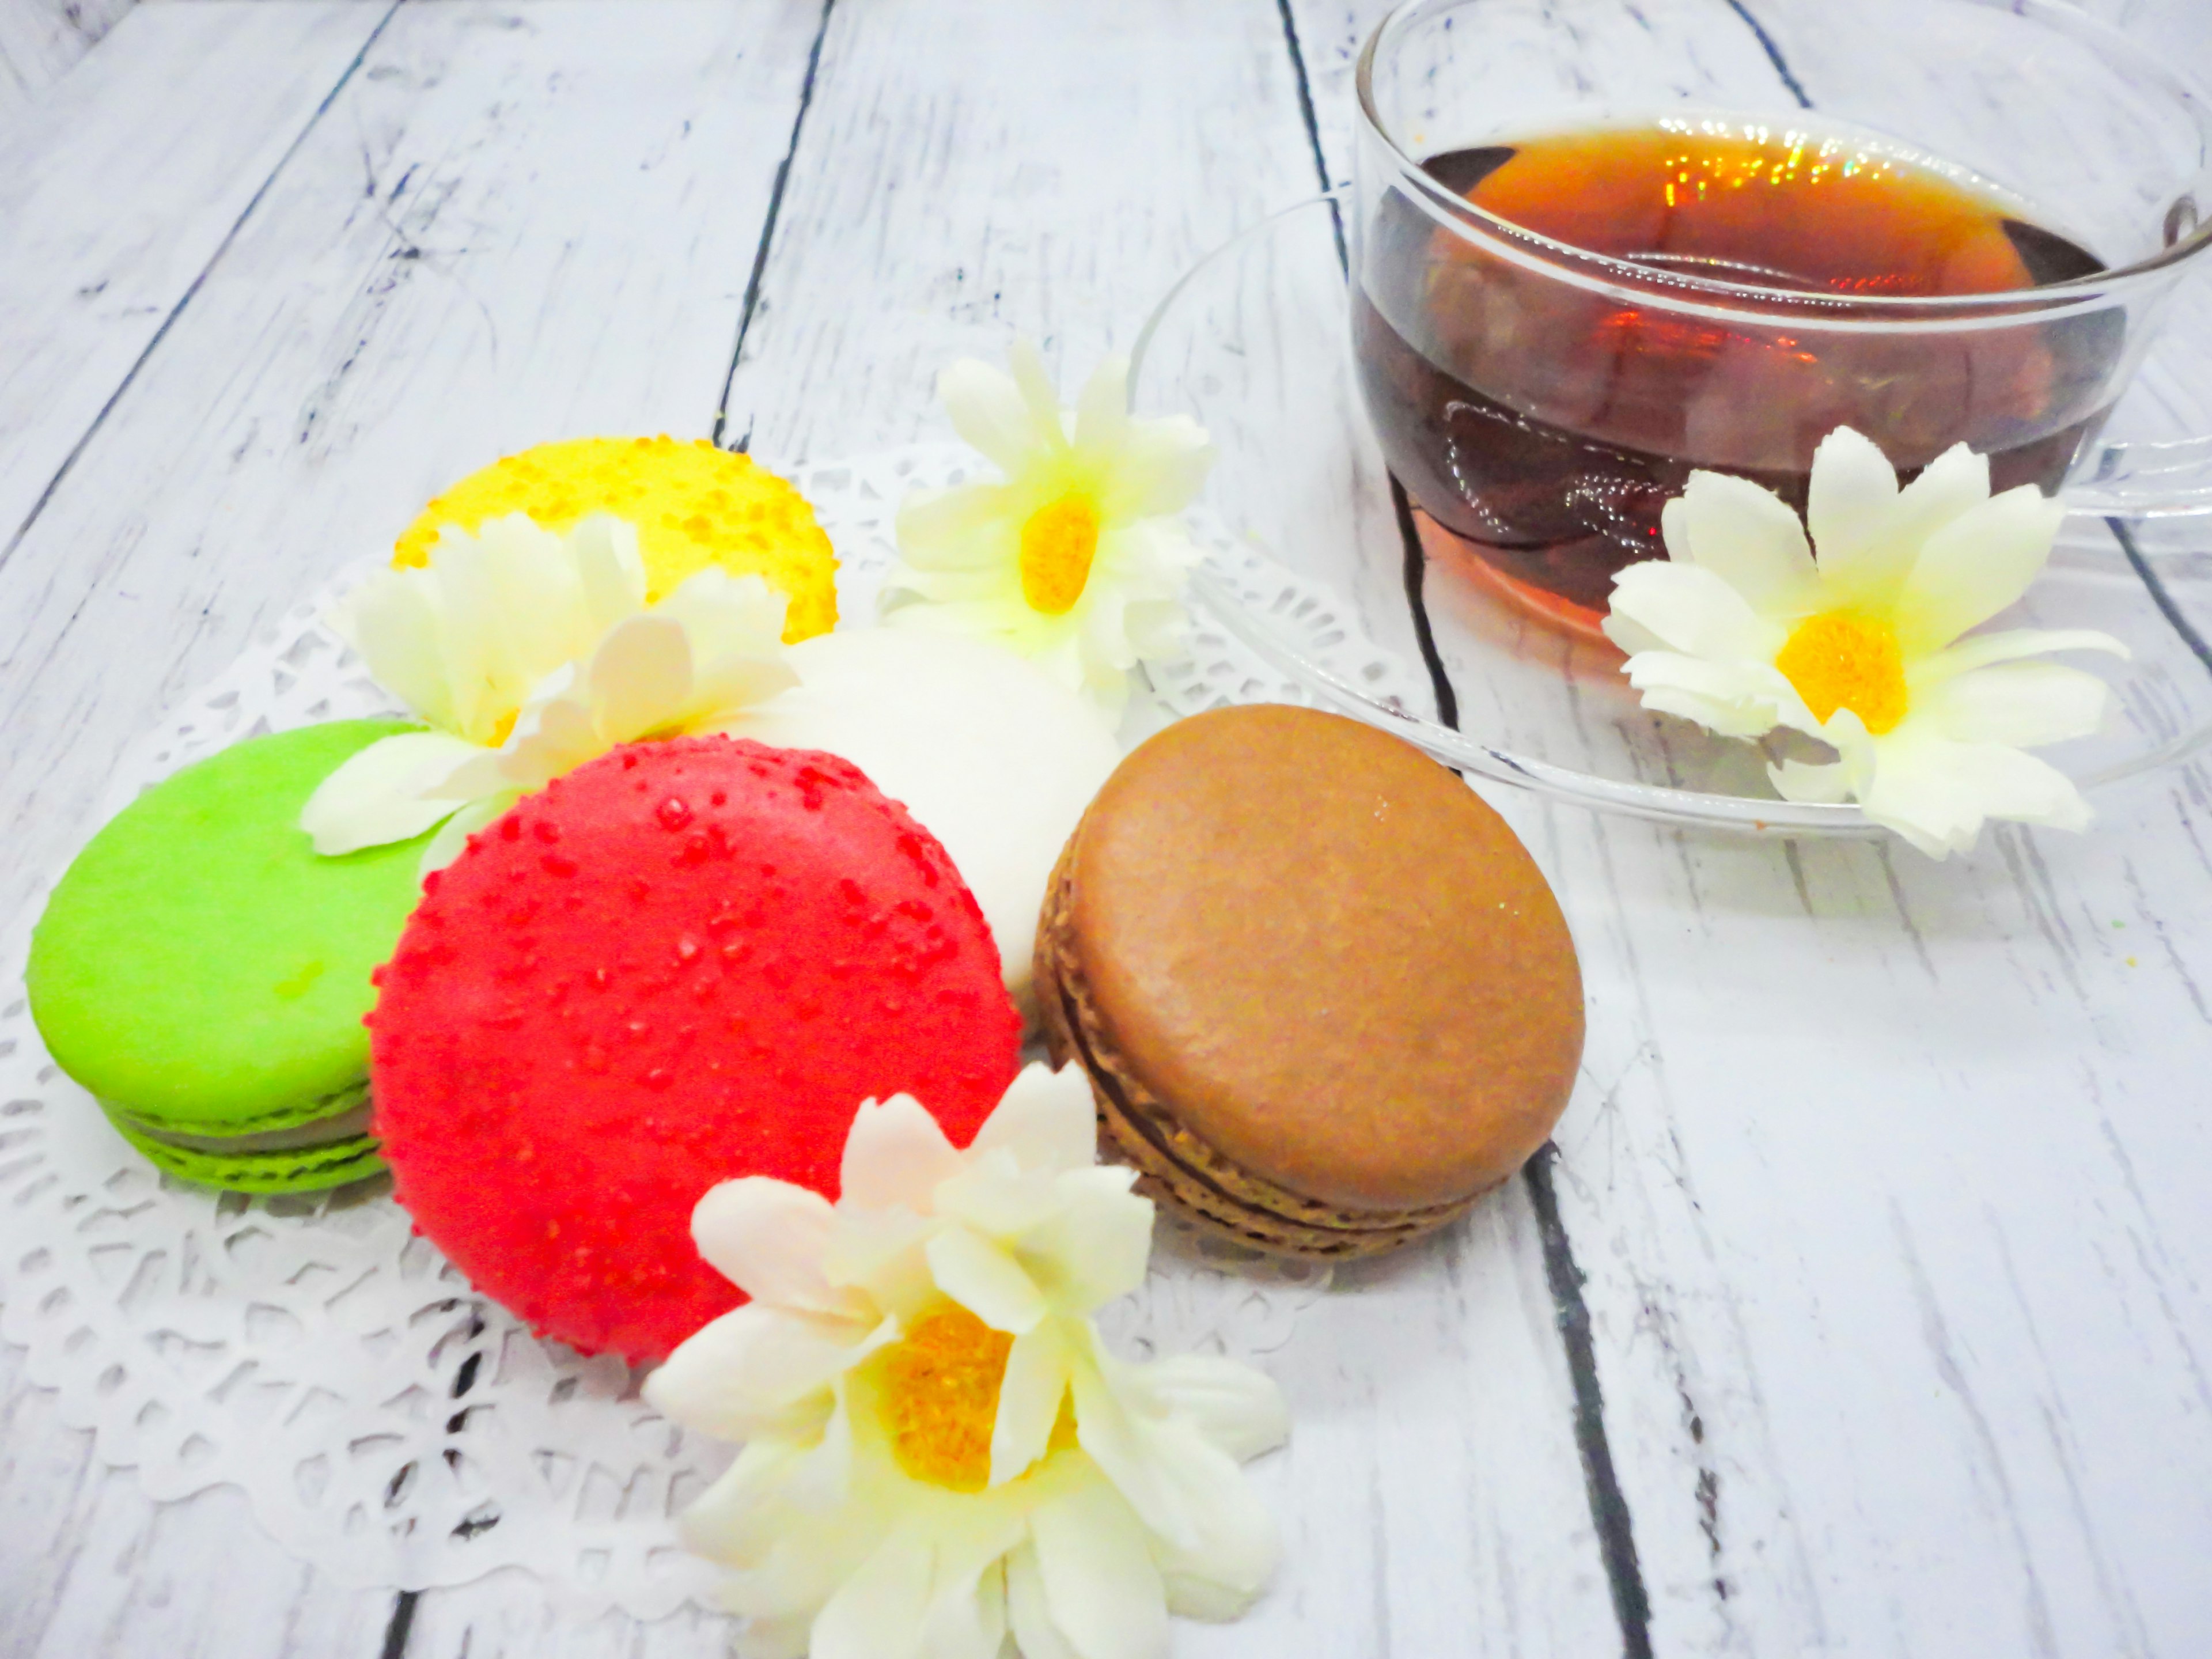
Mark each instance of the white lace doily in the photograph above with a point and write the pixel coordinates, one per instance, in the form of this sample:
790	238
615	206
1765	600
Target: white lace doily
387	1424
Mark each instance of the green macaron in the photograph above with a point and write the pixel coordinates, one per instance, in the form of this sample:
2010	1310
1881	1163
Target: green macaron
203	973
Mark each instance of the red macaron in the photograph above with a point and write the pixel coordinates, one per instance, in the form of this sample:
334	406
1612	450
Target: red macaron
684	961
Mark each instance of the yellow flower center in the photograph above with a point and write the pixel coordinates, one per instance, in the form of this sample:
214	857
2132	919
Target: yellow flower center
940	1399
1058	542
1839	661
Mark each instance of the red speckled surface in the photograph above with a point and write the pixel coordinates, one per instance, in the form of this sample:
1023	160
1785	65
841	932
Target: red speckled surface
684	961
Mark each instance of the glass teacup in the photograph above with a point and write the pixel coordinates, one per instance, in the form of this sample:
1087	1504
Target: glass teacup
1935	220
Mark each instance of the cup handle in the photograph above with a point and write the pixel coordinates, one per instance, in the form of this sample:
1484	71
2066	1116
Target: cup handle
2145	480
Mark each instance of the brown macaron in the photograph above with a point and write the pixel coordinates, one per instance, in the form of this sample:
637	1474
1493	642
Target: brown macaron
1324	995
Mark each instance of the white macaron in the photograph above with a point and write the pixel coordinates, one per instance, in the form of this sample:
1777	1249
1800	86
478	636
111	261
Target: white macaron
992	756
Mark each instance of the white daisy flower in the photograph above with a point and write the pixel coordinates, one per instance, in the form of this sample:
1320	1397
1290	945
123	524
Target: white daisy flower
1743	628
1075	560
531	654
939	1452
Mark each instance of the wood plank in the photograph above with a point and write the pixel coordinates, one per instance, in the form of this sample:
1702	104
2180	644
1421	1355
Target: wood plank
515	223
952	189
40	42
121	192
1880	1178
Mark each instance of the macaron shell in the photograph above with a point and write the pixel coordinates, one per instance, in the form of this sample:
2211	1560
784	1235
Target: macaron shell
1329	958
200	966
1176	1168
682	962
695	506
317	1169
995	758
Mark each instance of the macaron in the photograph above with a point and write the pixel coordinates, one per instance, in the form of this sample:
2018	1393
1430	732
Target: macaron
203	973
995	758
695	506
682	962
1324	998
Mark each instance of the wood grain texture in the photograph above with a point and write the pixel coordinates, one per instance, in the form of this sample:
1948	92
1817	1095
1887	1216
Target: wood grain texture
1885	1177
972	170
514	222
40	42
1880	1176
118	196
948	188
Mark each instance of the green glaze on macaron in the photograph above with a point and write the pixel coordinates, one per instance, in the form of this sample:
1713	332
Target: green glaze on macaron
203	973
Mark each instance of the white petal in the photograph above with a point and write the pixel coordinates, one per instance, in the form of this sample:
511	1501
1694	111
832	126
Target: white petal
1029	1613
1102	408
1937	793
1747	536
732	1521
555	733
759	1368
610	572
1736	699
1100	1583
640	677
967	1614
975	527
1047	1119
822	1482
1631	636
1950	486
1826	784
1029	1396
878	1613
510	615
1696	612
1223	1573
734	626
1856	747
1850	502
2023	705
1095	1246
378	795
995	1199
442	848
767	1238
896	1154
393	621
1239	1409
990	413
1980	650
880	1253
1974	566
986	1281
1213	1539
1119	1435
1163	465
1037	389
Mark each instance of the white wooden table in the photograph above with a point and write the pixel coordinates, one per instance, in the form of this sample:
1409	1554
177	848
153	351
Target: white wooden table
1865	1306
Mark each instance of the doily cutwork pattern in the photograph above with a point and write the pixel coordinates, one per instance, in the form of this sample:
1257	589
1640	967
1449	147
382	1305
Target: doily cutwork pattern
386	1423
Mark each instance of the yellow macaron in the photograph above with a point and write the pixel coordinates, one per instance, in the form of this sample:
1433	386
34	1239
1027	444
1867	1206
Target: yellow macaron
694	506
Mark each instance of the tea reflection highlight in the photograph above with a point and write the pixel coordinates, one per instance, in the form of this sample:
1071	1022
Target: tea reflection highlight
1545	423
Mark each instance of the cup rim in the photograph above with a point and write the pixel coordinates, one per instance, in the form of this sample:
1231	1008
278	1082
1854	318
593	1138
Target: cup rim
1630	280
1657	803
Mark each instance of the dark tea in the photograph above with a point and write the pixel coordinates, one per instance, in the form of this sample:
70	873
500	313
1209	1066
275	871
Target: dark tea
1545	421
